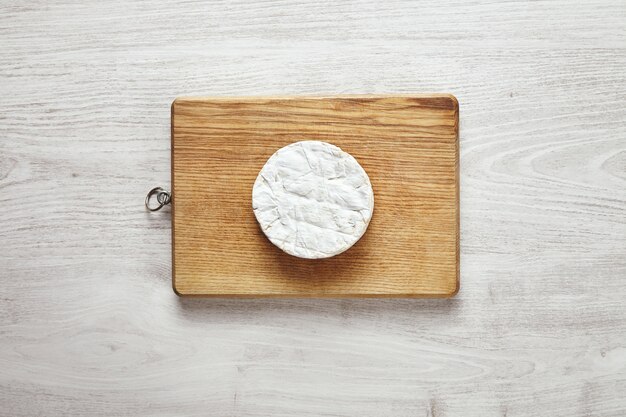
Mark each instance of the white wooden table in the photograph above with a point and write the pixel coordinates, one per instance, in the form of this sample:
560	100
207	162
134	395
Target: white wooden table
89	325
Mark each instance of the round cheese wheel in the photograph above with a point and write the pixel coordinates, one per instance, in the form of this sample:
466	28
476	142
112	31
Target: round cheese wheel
313	200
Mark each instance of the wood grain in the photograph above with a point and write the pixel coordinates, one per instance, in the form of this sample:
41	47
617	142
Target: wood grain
407	144
89	325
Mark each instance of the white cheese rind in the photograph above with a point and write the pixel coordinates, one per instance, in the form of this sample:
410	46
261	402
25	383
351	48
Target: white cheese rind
313	200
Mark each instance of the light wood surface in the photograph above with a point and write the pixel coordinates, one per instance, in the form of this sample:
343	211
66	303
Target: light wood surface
89	325
407	145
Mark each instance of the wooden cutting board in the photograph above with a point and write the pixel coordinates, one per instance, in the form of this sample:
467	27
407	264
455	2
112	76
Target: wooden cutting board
407	144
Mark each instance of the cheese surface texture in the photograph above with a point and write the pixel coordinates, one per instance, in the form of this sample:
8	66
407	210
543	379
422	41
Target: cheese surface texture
313	200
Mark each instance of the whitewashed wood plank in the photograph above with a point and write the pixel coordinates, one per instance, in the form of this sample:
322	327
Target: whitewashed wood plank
89	324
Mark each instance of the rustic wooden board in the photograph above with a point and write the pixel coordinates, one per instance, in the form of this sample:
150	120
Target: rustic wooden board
407	144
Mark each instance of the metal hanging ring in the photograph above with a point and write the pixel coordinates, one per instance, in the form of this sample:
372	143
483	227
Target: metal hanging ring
163	197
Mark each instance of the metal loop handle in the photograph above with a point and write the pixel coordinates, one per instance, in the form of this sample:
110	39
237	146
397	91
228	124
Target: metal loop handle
163	197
